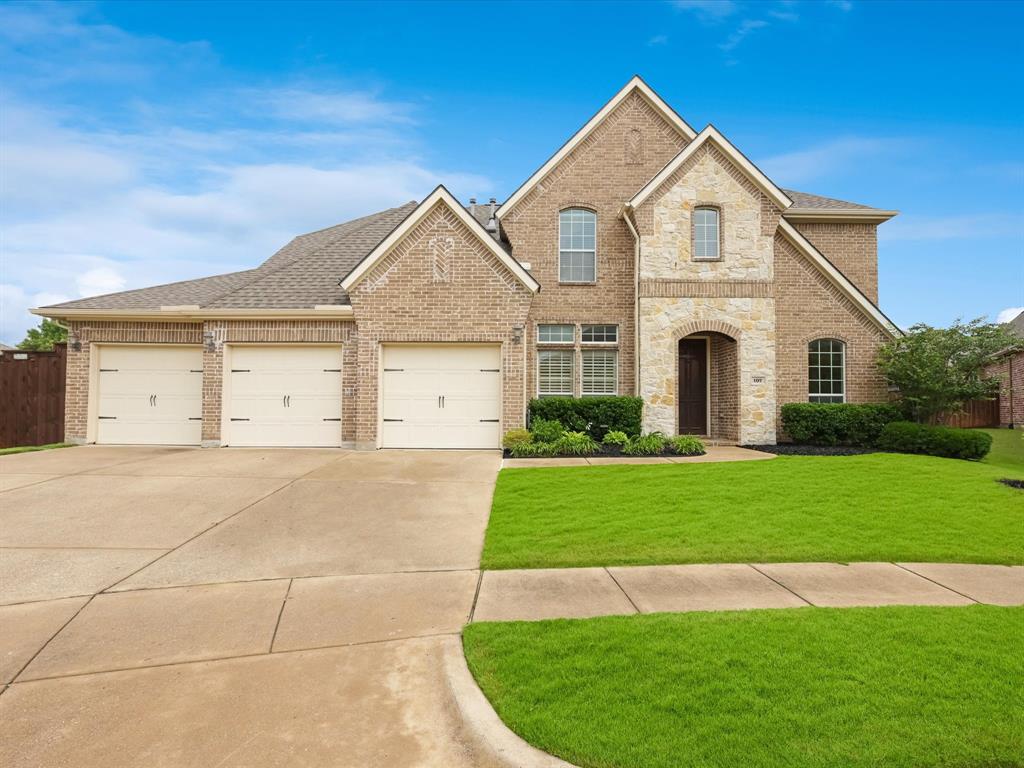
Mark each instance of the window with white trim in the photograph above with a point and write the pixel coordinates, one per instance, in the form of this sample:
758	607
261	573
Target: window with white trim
600	372
826	371
556	334
600	334
554	372
705	234
577	246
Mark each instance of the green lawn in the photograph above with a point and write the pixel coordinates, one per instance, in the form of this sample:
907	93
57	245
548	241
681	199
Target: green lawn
792	508
1007	450
801	688
30	448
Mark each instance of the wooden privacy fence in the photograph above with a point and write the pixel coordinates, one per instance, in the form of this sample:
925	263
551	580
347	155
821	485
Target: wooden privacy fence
975	413
32	397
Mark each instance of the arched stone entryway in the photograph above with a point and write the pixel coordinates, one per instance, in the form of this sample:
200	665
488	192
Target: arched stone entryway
707	384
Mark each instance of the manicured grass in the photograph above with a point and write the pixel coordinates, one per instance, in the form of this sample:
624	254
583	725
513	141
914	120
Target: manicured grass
30	448
1007	450
792	508
800	688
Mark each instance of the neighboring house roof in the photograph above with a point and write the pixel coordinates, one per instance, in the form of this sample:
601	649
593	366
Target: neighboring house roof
711	135
443	197
1017	325
7	348
637	84
808	207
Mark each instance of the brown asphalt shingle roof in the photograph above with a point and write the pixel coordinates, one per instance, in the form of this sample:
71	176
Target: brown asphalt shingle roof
302	274
817	202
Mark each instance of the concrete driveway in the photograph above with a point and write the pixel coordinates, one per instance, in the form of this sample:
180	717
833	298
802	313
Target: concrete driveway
235	607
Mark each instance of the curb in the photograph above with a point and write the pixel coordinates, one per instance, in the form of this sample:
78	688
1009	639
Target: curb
489	735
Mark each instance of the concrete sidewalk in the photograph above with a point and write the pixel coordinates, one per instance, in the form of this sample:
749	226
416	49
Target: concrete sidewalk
529	595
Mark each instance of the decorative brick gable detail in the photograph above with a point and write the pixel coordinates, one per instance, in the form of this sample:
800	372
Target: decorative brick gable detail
399	301
852	247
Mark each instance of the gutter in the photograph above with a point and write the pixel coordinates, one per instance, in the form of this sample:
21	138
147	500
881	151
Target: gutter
839	215
627	215
193	313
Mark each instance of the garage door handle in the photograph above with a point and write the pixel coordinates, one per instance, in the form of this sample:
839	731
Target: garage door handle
107	417
332	370
490	421
108	370
442	401
195	370
195	418
340	419
392	370
490	370
240	370
394	419
234	419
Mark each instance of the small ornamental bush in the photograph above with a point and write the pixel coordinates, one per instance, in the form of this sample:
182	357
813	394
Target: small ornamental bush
546	431
615	438
575	444
646	445
531	450
593	415
950	443
837	423
686	445
516	437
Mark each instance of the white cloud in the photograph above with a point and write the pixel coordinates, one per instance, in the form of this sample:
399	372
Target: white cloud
331	108
658	40
800	166
707	10
100	280
842	5
1008	314
746	27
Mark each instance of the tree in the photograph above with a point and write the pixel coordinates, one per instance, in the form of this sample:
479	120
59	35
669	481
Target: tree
43	338
937	370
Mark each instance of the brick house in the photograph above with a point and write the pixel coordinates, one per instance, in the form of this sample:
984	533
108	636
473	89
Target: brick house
642	258
1009	369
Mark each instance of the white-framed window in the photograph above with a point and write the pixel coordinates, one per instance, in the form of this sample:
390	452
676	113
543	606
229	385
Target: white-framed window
562	333
600	372
826	371
600	334
577	246
555	372
705	233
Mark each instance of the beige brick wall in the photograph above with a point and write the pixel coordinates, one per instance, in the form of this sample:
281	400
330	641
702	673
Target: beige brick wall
439	284
852	247
808	307
615	161
1010	372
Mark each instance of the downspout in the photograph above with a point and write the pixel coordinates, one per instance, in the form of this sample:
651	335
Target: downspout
627	216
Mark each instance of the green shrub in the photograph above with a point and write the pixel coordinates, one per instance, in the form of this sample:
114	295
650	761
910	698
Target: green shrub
575	444
950	443
516	437
686	445
531	450
594	415
837	423
615	437
545	431
646	445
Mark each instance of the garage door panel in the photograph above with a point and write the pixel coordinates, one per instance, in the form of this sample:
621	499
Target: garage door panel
285	396
441	397
150	395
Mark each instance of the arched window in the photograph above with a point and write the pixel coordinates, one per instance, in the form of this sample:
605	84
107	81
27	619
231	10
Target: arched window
826	371
577	246
706	233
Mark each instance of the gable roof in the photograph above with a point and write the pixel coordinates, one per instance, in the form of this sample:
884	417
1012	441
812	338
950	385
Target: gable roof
301	275
840	280
637	84
808	207
440	195
710	134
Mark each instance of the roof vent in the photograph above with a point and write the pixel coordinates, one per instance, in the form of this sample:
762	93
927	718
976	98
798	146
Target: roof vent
472	201
492	223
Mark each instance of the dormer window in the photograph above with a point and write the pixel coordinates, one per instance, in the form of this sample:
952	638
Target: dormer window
706	234
577	246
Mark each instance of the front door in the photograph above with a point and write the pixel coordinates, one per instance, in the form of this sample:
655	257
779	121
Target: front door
693	387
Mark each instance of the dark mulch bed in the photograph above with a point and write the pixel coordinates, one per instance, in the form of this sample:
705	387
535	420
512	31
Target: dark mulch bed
789	449
1019	484
603	450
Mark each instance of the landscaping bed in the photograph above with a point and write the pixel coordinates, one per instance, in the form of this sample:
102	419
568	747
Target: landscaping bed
801	688
792	449
875	507
606	450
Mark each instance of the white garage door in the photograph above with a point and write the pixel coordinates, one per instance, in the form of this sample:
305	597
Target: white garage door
441	397
284	396
150	395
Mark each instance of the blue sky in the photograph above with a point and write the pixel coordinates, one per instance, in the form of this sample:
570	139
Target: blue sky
145	143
